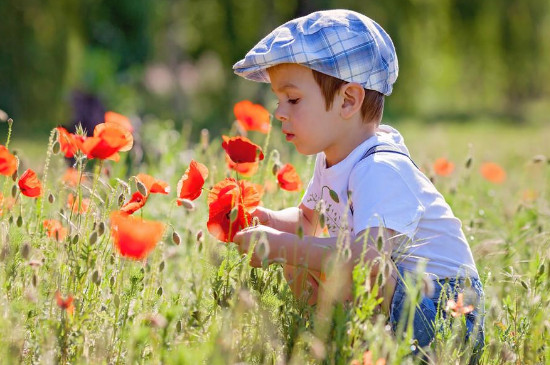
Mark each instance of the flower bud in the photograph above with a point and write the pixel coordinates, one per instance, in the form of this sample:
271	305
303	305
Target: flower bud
176	238
141	188
51	198
25	251
93	238
56	148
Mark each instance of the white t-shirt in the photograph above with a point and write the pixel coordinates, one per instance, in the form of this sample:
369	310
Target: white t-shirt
387	190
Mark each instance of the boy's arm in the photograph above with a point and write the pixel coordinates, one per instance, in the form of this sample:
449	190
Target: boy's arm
289	219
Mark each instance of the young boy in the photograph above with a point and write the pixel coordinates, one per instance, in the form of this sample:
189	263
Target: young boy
330	71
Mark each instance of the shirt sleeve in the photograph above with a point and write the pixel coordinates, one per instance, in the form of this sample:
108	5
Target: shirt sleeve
382	198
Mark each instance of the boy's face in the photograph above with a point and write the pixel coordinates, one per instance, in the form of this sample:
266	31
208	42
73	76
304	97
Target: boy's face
301	109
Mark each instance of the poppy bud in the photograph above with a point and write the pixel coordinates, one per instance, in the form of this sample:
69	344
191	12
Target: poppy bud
101	228
25	251
51	198
161	266
14	175
179	326
13	191
233	214
120	200
141	188
379	243
322	220
200	235
333	195
176	238
159	291
524	284
93	238
56	148
19	221
275	168
10	122
96	277
76	237
468	162
112	281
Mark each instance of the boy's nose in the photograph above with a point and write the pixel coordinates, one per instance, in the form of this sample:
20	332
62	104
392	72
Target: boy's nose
280	114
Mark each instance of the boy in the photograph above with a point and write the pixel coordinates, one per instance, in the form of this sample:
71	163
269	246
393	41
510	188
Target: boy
330	71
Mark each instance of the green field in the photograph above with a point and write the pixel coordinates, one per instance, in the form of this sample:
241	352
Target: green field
200	303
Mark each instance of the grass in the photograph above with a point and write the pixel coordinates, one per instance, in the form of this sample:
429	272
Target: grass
199	302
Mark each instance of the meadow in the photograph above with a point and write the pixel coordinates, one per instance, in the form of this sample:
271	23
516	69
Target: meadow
69	294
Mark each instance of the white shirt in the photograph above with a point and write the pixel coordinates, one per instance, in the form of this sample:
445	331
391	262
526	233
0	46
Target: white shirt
387	190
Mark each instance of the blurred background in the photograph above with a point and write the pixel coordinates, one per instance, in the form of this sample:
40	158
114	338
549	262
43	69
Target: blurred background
460	60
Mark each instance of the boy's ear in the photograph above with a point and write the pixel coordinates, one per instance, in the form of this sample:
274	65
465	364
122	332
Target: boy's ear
353	95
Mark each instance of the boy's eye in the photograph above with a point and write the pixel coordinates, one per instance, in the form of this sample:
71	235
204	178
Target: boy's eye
293	101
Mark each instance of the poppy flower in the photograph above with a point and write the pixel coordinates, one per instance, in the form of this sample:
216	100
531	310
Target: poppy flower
288	178
73	204
55	230
71	177
246	169
251	117
230	204
493	172
192	181
69	142
107	141
65	304
119	119
153	185
367	360
136	202
29	184
458	308
8	162
134	237
241	149
443	167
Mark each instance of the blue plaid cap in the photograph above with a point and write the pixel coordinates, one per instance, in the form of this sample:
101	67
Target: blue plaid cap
340	43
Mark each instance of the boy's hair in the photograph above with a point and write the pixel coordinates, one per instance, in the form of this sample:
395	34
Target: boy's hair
373	104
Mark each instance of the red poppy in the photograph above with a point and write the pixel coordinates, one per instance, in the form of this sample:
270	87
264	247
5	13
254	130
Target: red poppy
120	120
8	162
73	204
443	167
29	184
252	117
72	177
153	185
493	172
134	237
107	141
288	178
241	149
192	181
136	202
65	304
230	204
246	169
70	143
55	230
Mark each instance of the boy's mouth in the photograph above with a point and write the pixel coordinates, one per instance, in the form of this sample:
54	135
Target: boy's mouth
289	136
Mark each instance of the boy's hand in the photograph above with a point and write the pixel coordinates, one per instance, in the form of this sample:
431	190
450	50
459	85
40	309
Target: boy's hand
248	236
263	215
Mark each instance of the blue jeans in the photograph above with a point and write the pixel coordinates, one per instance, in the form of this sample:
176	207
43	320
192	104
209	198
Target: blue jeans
429	305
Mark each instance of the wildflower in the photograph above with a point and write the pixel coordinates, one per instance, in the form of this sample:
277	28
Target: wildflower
241	149
443	167
72	177
230	204
29	184
288	178
458	308
153	185
55	230
252	117
107	141
367	360
73	205
65	304
69	142
493	172
136	202
8	162
134	237
192	181
246	169
119	119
